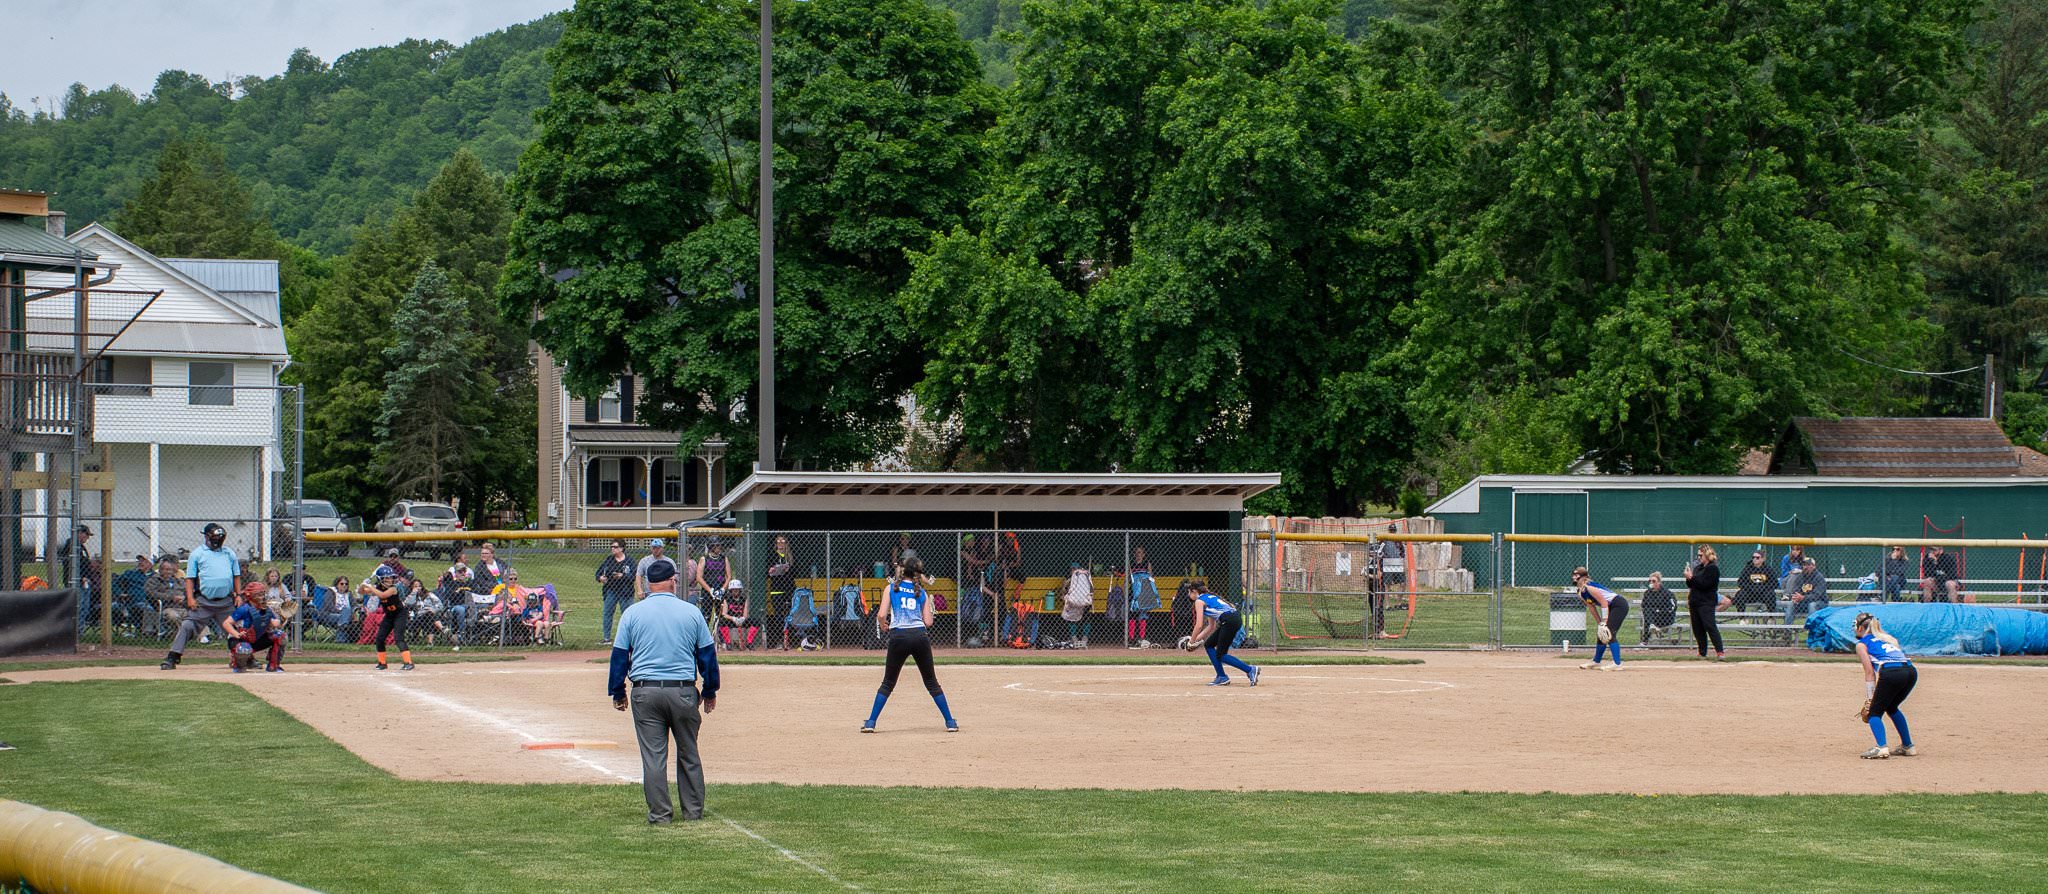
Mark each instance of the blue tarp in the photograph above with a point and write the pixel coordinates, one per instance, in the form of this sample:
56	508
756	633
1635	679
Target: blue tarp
1936	628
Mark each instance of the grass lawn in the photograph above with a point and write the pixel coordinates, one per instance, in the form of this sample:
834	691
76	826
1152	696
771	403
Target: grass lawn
208	767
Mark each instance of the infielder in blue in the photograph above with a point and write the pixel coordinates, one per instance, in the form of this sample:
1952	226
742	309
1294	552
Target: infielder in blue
1216	629
907	613
1888	677
1611	608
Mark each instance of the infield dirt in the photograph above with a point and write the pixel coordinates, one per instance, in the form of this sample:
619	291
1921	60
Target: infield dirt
1506	722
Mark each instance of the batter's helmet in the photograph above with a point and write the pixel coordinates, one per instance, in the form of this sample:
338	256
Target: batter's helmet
214	534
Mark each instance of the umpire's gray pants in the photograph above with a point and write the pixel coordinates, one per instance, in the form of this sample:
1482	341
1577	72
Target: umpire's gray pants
658	713
197	620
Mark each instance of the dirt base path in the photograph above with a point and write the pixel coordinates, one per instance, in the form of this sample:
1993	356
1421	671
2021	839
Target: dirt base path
1458	722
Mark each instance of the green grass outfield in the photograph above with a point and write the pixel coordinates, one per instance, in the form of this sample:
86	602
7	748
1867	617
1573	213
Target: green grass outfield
209	767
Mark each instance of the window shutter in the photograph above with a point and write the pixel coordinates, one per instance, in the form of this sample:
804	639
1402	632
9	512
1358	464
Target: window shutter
590	408
626	399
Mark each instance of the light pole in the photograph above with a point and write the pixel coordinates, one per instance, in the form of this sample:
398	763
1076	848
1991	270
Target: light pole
766	411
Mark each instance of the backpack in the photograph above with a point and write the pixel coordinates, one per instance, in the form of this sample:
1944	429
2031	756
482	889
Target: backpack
1144	592
847	604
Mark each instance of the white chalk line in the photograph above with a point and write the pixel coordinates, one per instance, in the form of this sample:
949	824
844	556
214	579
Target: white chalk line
452	706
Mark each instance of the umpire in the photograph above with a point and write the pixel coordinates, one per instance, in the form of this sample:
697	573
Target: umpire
664	646
211	576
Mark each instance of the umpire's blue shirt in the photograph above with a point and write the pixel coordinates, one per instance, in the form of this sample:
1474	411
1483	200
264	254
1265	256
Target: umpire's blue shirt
662	637
216	570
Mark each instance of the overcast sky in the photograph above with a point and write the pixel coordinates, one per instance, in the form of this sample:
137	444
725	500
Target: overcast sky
52	43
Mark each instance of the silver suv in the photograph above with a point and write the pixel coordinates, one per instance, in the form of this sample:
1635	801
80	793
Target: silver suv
411	517
313	516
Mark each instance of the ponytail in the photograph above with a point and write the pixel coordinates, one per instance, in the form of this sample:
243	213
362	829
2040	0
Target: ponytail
1869	624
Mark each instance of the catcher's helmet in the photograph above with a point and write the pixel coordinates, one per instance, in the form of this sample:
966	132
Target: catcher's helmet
215	534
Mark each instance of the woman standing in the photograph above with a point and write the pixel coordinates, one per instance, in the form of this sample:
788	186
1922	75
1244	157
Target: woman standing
907	615
1888	677
1216	630
1703	599
1612	609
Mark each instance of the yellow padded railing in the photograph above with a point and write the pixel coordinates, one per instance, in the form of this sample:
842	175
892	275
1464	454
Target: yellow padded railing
52	851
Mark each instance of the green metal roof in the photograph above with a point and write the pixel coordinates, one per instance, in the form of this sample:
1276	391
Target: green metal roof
19	237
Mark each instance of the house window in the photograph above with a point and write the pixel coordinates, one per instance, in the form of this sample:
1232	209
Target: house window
612	481
210	384
670	475
121	376
608	405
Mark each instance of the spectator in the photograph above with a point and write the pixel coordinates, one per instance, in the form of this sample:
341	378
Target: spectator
781	584
1791	562
1805	591
899	553
1116	604
975	554
1660	607
1077	597
339	610
251	627
275	593
541	605
713	572
657	551
979	592
1756	589
1940	579
88	579
1703	599
461	597
131	596
166	594
511	602
732	613
1896	572
617	580
423	611
392	567
1144	600
490	572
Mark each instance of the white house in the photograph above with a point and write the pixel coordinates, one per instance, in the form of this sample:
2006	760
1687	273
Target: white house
185	396
598	468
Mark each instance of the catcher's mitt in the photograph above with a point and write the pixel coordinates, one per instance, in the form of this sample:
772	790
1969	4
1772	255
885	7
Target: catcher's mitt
1605	633
1863	713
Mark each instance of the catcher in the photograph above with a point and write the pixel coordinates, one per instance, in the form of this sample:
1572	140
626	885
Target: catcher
1888	677
251	626
1216	628
1612	609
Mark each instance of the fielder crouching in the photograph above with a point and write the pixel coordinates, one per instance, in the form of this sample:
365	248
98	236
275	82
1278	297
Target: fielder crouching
253	627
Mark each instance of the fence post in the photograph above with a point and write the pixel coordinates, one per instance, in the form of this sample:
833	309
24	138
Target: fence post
1500	604
831	595
302	593
959	593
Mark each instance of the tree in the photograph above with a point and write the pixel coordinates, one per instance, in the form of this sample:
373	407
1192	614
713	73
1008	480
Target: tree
434	395
635	242
194	207
1671	222
1188	257
1986	241
343	346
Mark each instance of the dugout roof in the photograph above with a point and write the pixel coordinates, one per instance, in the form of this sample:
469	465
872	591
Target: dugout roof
787	500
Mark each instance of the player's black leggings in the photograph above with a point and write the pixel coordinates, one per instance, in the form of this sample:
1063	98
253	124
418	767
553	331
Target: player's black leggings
913	644
392	625
1894	683
1704	625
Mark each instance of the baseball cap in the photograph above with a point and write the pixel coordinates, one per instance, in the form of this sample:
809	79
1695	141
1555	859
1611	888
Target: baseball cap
391	552
651	544
735	584
661	571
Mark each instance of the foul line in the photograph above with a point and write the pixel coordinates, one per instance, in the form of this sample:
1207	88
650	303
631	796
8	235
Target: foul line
456	707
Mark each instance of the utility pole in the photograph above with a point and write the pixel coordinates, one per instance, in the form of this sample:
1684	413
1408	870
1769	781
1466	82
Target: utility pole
1990	388
766	411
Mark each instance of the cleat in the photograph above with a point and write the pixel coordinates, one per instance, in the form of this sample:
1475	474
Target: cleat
235	670
1905	751
1610	667
867	727
406	666
1220	681
1877	754
952	726
382	666
273	670
1590	665
168	665
1254	675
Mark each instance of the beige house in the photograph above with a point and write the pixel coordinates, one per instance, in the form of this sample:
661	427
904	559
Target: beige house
600	469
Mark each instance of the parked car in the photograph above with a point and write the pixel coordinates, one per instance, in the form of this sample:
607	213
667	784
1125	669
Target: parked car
312	516
417	517
712	519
